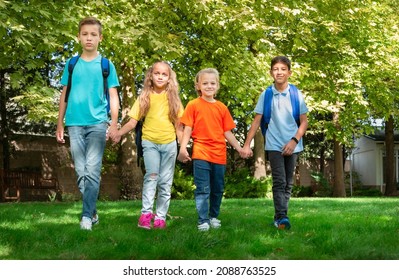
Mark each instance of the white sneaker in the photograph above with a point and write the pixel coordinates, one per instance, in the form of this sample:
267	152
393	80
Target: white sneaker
95	219
85	223
215	223
203	227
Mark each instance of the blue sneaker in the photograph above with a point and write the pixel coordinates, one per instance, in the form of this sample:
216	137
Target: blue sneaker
283	223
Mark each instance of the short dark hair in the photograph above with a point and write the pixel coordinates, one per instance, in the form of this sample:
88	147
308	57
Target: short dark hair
91	20
281	59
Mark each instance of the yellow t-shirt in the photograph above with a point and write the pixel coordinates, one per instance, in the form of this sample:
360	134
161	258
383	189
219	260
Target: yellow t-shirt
157	126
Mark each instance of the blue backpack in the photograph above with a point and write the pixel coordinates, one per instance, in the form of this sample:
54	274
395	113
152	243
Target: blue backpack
267	107
105	71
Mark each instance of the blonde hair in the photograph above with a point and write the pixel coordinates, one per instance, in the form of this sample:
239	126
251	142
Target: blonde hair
212	71
172	92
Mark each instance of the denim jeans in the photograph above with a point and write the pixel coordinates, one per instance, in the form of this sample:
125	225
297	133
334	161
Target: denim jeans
283	177
87	149
159	161
209	182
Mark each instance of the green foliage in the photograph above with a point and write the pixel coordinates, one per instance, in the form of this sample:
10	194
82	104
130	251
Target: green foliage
241	184
323	188
183	184
302	191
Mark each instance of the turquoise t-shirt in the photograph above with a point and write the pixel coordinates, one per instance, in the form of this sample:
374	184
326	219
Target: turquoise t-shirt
282	124
87	103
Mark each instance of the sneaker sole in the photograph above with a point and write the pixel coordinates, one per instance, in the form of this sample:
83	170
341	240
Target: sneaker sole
284	226
144	227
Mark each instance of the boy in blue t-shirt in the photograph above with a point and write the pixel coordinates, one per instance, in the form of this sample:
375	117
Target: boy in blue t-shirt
86	116
283	137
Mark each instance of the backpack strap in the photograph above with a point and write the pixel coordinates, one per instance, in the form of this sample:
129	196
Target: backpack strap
105	71
71	66
267	109
295	103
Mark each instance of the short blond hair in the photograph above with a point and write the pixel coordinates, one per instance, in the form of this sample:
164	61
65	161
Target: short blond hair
206	71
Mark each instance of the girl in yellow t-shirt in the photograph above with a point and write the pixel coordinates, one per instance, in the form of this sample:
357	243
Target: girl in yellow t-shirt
160	104
209	123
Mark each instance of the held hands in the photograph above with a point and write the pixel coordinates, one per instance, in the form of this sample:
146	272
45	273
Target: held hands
114	134
245	152
183	156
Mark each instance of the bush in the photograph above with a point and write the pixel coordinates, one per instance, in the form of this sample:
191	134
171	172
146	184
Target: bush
183	184
323	187
302	191
241	184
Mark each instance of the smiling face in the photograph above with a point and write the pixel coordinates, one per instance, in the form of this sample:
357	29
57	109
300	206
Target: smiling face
280	73
89	37
208	85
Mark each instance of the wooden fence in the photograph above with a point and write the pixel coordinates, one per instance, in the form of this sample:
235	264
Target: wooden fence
27	186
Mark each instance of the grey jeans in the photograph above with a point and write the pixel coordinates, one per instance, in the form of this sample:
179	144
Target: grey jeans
282	173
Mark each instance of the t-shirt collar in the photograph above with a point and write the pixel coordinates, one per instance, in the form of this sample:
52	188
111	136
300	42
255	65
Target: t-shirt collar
284	92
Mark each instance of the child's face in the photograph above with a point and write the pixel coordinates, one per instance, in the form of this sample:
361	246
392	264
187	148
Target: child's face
280	73
208	85
89	36
160	76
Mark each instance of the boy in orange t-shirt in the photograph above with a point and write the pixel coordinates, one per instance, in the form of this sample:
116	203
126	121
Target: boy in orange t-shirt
209	123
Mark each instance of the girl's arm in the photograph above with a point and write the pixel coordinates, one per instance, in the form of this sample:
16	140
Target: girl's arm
117	134
183	153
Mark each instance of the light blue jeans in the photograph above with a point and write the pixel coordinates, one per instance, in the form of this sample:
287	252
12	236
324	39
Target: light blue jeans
87	149
159	161
283	168
209	182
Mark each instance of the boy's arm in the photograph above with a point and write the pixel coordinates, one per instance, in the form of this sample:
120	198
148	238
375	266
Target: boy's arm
232	140
183	153
114	106
61	115
303	119
289	148
251	134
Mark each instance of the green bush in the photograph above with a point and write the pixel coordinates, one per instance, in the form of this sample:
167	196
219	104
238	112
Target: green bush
183	184
242	184
323	187
302	191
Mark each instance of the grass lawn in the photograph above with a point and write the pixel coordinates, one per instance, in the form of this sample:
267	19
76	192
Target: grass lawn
322	229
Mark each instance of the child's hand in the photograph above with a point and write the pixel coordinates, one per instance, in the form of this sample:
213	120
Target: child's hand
183	156
246	152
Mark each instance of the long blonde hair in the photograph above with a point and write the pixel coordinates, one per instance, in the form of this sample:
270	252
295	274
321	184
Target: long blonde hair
172	92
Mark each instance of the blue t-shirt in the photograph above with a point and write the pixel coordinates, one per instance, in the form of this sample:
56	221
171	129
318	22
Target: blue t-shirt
87	103
282	126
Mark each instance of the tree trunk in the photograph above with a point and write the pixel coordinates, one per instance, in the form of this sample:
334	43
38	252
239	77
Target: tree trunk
390	180
339	184
4	128
259	155
131	175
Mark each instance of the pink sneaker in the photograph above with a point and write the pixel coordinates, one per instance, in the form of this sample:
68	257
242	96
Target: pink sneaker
159	223
145	221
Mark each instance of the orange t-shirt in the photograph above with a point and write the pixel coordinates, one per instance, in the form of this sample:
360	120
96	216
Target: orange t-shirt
209	121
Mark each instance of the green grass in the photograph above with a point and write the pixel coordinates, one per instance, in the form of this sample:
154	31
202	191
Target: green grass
322	229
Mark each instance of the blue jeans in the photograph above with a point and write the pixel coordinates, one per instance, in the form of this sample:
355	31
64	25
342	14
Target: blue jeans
159	161
283	178
87	149
209	182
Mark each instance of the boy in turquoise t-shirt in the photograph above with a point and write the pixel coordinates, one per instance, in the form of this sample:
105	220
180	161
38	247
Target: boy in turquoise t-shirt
86	116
